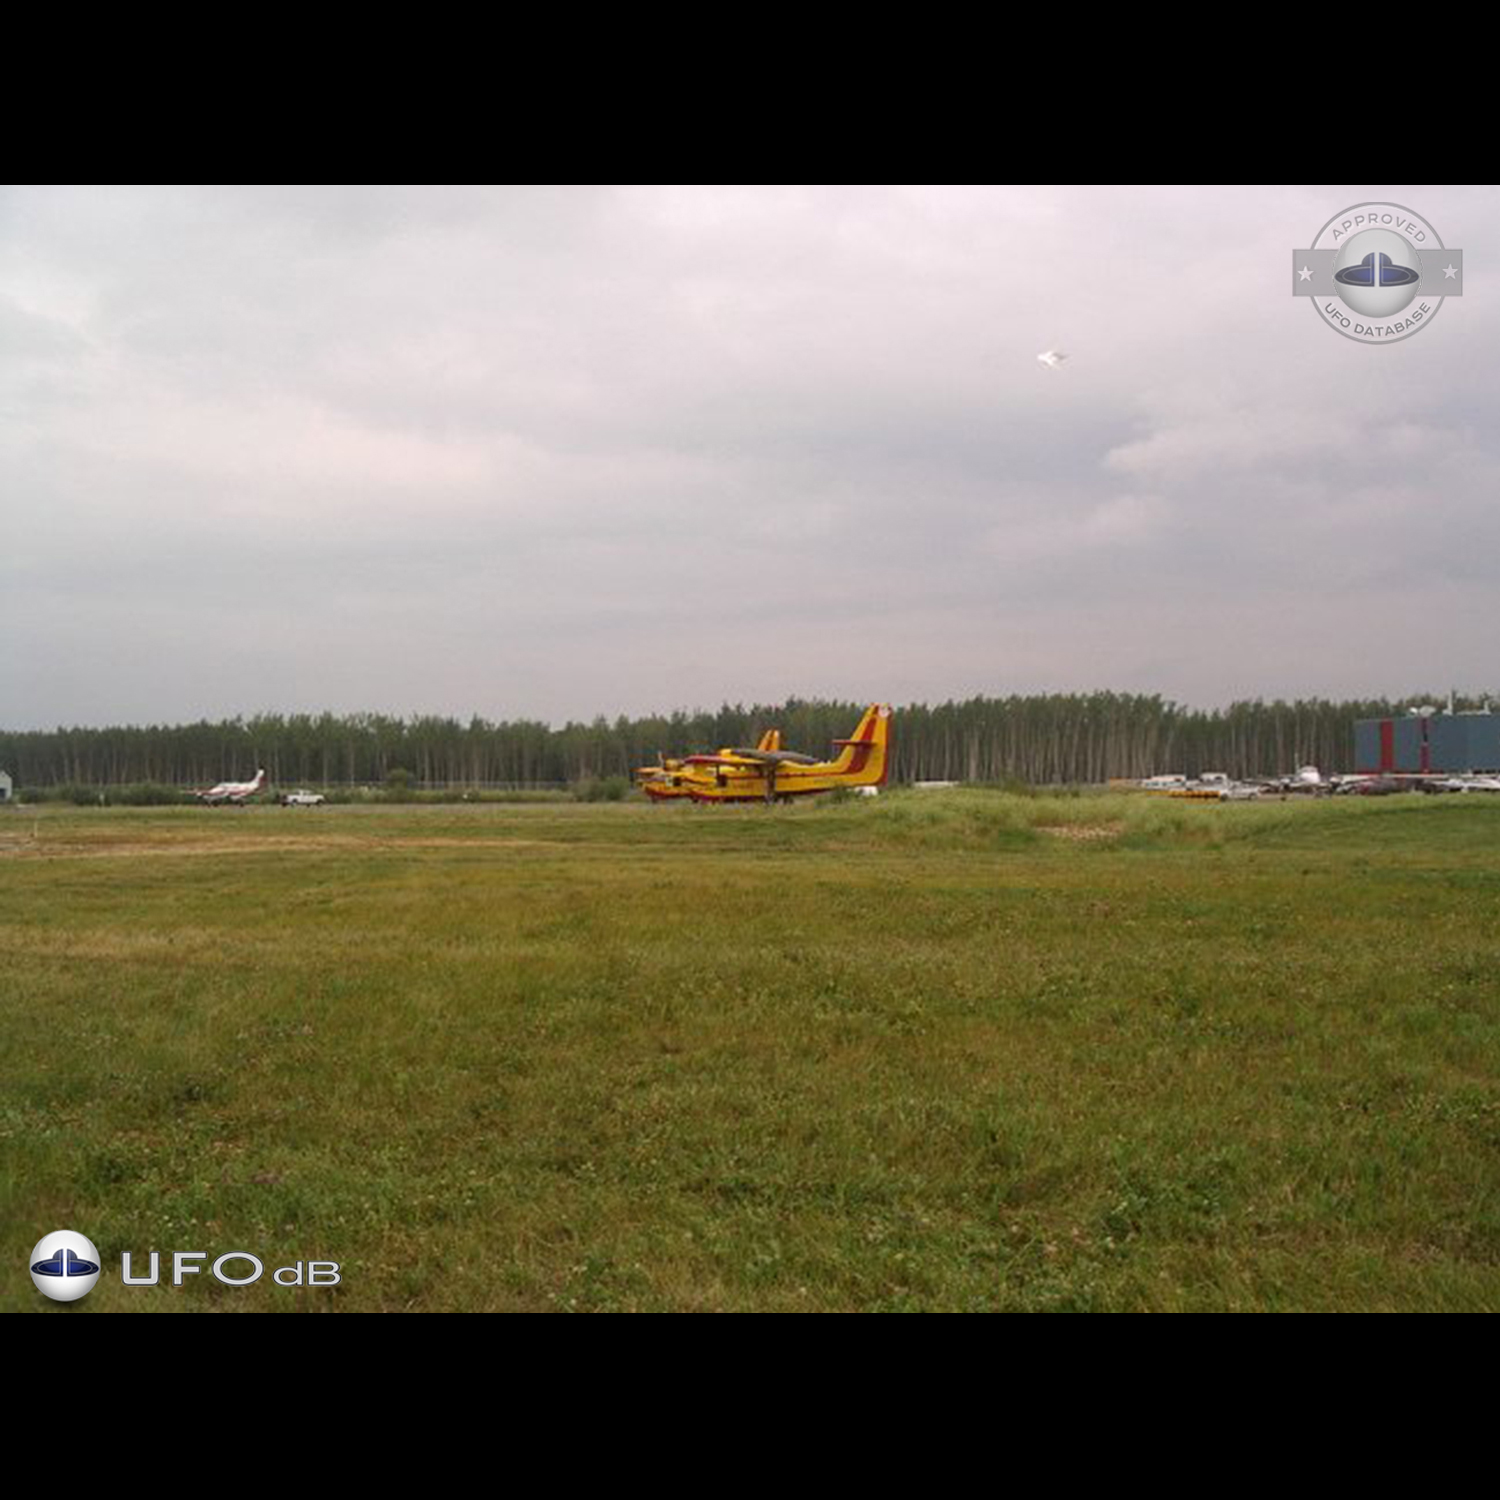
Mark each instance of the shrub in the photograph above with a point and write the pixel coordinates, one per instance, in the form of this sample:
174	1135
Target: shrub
601	789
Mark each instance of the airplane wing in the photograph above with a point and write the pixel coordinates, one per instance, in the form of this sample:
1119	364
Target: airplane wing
777	757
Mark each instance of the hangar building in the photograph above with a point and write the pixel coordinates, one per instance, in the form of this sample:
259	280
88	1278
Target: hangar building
1428	741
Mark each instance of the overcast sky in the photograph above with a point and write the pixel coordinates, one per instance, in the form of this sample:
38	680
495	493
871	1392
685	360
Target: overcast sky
553	453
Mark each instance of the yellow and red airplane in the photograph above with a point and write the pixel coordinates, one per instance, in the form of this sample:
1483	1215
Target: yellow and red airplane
667	781
772	775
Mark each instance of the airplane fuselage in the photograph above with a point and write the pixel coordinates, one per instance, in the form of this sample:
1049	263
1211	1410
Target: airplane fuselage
231	791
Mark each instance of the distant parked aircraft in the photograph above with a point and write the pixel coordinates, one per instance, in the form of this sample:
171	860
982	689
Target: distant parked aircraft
231	791
777	775
1308	781
665	780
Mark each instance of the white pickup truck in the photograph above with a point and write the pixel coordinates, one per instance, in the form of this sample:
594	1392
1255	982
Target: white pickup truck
302	799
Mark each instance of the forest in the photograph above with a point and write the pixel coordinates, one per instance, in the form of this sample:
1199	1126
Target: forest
1040	739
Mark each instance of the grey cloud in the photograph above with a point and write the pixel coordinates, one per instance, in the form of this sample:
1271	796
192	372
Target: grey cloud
482	449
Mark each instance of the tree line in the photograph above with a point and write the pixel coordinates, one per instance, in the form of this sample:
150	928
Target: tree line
1041	739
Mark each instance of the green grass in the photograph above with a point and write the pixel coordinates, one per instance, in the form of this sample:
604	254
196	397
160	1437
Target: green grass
951	1050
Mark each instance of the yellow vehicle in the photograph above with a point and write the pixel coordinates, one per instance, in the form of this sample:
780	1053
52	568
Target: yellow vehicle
776	775
670	780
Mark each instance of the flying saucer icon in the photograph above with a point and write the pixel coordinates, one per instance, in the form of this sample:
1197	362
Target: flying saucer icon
1377	269
65	1265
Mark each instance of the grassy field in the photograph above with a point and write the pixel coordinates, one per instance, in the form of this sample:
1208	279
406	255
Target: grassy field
952	1050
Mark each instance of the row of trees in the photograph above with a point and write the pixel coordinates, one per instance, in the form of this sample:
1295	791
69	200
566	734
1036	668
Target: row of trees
1042	739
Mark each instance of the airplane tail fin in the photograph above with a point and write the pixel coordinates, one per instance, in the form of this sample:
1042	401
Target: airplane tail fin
770	740
864	758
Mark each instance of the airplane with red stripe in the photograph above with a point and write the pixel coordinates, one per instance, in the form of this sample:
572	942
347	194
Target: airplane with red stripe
231	791
779	775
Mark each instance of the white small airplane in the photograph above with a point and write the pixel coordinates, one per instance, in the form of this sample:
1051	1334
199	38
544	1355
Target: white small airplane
1307	779
1052	358
231	791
